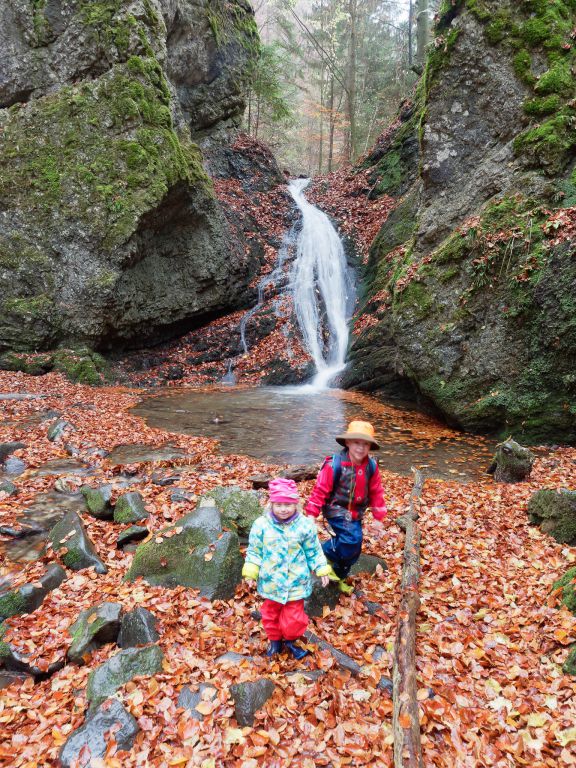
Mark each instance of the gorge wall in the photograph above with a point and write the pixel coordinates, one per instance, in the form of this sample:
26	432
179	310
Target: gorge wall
470	300
110	231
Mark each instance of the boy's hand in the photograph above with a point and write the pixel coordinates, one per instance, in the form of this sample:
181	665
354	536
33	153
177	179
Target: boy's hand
324	580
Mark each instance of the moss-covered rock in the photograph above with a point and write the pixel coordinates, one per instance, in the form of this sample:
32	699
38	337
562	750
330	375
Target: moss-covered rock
555	512
238	508
98	501
94	626
70	540
512	462
193	552
120	669
111	233
569	666
129	508
567	584
468	294
28	597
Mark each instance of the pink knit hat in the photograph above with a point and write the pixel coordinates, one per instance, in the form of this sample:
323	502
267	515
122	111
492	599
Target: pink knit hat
283	490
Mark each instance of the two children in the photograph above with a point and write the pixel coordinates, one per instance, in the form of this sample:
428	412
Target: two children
284	548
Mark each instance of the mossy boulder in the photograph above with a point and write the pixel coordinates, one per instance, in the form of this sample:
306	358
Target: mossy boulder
109	717
238	508
70	540
94	626
129	508
555	512
98	501
467	304
512	462
193	552
567	585
111	234
124	666
249	698
28	597
569	666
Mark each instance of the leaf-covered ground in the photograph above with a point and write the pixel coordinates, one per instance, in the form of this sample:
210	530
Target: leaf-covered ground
491	638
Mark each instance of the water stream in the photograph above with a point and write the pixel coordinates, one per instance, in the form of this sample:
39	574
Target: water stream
321	287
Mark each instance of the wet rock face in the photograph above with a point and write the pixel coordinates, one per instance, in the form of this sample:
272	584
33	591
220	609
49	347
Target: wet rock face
470	304
105	680
78	551
110	232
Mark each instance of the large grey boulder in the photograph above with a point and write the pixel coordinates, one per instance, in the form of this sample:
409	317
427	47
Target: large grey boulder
28	597
110	230
105	680
95	626
69	537
93	735
554	510
193	552
512	462
249	698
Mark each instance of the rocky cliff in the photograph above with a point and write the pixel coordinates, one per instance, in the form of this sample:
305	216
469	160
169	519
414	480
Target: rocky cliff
110	231
470	288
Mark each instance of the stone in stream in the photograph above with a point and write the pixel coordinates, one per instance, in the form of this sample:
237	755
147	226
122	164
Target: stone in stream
124	666
193	552
555	512
130	508
95	735
14	466
28	597
70	534
512	463
94	627
238	508
249	698
57	429
61	467
189	699
301	472
138	627
98	501
131	534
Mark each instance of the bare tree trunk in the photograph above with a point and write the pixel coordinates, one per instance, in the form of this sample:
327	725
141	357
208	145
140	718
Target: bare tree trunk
422	33
332	123
410	23
405	715
351	83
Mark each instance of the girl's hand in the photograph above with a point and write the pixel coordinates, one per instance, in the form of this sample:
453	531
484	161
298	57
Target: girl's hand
324	580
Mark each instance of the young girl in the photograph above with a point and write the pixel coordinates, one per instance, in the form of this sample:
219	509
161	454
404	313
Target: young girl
283	550
346	486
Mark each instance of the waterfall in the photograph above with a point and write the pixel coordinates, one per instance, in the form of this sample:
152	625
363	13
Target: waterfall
320	283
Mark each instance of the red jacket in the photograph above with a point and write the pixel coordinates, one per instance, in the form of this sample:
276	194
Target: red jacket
351	495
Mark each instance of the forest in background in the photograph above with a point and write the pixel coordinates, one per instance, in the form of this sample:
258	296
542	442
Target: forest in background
331	75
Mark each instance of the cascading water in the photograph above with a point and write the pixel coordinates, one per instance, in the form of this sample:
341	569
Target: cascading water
320	281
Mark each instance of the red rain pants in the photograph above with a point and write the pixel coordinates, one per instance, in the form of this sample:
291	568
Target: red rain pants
284	622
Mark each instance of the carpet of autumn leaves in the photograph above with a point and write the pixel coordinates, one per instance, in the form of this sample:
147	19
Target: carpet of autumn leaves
491	638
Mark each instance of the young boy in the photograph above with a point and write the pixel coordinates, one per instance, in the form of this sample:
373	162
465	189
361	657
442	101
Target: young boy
346	486
283	549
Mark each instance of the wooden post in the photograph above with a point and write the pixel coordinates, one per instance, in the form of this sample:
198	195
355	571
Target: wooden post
405	719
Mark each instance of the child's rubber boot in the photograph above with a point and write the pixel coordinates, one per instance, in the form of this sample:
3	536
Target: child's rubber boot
332	575
346	589
274	648
295	650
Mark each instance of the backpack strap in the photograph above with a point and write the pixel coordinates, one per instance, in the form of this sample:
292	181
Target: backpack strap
336	470
371	468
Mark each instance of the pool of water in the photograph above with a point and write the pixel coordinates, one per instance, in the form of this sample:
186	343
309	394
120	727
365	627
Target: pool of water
293	425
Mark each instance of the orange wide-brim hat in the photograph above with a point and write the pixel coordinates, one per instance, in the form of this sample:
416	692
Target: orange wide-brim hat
359	430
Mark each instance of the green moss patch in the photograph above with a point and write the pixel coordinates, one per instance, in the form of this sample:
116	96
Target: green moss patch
567	584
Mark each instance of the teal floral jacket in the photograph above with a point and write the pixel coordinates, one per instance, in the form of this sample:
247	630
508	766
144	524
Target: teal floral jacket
282	556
